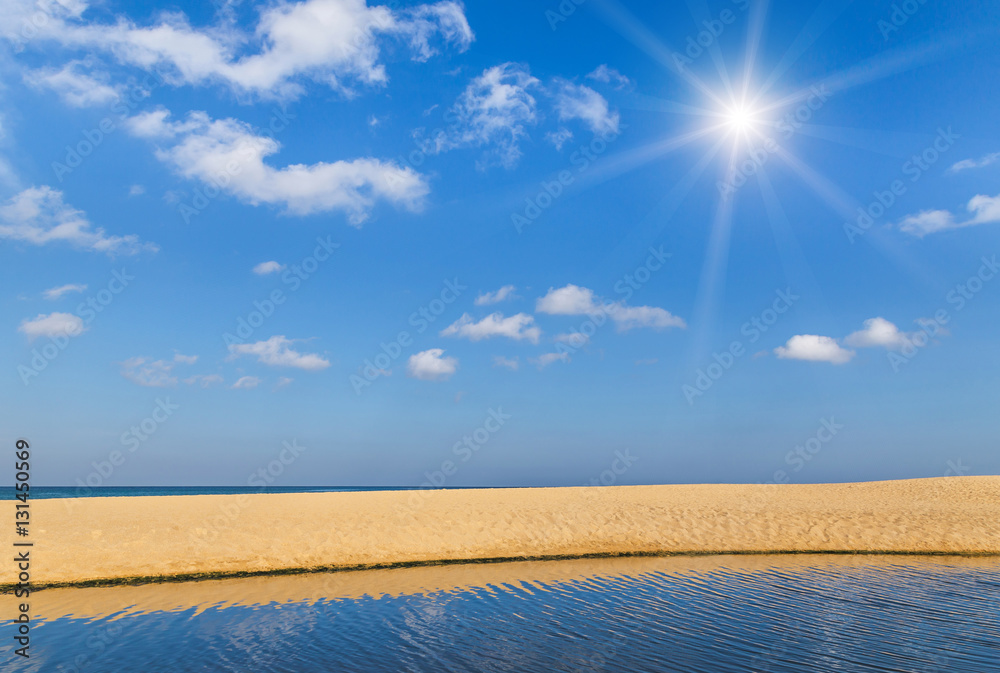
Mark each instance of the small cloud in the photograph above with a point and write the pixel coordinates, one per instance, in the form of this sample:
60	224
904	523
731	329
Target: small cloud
981	162
56	292
877	332
136	190
185	359
150	373
815	349
459	395
984	210
282	382
204	380
373	121
576	300
575	101
509	363
559	137
277	352
246	382
487	298
52	325
610	76
545	359
429	365
517	327
265	268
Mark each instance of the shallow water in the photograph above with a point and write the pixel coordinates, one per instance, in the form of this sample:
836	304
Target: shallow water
704	614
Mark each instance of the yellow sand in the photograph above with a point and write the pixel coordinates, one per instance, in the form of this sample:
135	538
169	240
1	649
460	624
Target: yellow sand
85	539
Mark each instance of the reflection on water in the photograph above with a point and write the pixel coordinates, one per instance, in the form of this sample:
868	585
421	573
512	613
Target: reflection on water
721	613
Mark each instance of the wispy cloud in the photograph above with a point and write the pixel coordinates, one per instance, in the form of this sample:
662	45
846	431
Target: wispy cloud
487	298
518	327
277	352
981	162
57	292
984	210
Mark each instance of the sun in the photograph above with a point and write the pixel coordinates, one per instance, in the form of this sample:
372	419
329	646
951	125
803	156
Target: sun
741	118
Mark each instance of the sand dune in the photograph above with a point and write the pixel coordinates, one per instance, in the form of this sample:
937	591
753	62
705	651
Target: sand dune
107	539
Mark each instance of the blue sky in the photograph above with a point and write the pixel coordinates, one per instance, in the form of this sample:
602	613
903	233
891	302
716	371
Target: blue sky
528	244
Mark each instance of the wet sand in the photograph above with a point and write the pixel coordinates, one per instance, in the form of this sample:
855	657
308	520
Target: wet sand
83	540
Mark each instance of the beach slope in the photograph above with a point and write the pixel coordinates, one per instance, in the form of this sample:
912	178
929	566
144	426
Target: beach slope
84	540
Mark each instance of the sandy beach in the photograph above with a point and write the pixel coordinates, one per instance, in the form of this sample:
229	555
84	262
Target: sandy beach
85	540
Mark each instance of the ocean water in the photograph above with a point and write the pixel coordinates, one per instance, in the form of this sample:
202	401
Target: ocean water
712	614
47	492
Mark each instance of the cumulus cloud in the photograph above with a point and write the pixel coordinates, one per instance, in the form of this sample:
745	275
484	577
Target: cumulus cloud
52	325
606	75
39	216
429	365
334	42
151	373
575	101
814	348
265	268
246	382
57	292
493	111
487	298
277	352
507	363
981	162
517	327
74	85
206	149
545	359
877	332
576	300
983	209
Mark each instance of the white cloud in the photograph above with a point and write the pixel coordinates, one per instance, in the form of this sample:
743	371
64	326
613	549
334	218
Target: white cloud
508	363
814	348
56	292
559	137
52	325
205	149
38	216
428	365
493	111
545	359
877	332
603	73
282	382
185	359
576	300
136	190
246	382
984	210
265	268
335	42
487	298
151	373
277	352
575	101
568	300
981	162
204	380
73	85
517	327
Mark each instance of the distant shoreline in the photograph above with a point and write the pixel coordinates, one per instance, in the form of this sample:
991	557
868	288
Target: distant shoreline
126	540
